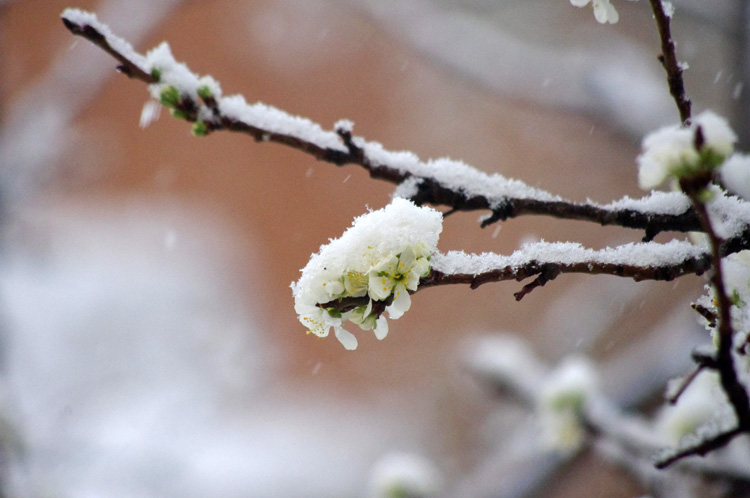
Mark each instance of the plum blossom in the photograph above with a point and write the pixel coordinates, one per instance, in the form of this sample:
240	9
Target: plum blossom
679	151
397	276
379	259
604	12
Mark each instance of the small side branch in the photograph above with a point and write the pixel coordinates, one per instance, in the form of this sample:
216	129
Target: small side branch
700	449
127	66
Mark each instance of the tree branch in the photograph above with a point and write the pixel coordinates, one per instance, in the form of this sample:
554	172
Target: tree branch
441	182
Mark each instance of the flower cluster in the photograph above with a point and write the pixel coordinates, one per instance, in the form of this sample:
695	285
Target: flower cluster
604	12
378	261
681	151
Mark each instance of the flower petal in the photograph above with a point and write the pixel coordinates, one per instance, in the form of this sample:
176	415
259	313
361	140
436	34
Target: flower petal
406	260
346	338
604	12
380	286
401	302
381	329
355	283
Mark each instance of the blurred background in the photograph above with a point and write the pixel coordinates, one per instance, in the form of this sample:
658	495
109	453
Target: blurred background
149	345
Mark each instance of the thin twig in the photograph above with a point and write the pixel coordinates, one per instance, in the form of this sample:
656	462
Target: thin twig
668	59
702	448
685	383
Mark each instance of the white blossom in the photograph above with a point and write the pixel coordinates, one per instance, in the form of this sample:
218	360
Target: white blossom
562	401
380	258
672	151
604	12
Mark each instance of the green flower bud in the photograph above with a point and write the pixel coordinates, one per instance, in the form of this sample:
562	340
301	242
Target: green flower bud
200	129
205	92
170	96
177	113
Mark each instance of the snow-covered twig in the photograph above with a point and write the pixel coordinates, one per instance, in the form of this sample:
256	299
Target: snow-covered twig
438	182
546	261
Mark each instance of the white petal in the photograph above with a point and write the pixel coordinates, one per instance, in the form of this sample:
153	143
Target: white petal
605	12
406	260
346	338
381	329
579	3
333	288
387	265
380	286
355	283
401	302
421	267
612	15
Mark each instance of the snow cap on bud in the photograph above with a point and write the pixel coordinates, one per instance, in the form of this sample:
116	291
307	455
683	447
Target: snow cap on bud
679	151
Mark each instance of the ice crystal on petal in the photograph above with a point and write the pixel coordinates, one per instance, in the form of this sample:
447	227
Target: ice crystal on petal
379	259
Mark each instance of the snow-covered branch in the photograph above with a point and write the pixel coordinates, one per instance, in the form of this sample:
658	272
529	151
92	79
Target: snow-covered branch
439	182
546	261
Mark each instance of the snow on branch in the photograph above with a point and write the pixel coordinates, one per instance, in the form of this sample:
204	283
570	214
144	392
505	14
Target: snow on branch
438	182
546	261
